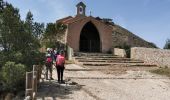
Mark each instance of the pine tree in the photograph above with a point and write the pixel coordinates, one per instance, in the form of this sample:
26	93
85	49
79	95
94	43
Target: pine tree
167	44
9	26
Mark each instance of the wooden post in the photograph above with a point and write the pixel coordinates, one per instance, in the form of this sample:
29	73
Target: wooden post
32	79
39	72
34	82
28	85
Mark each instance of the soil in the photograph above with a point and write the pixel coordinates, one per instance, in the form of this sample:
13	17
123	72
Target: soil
106	83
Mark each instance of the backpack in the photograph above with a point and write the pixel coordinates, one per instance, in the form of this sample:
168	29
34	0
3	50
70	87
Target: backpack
49	60
60	61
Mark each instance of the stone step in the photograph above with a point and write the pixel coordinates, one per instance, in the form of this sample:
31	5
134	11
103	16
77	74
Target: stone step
115	67
122	64
96	64
97	57
109	60
113	58
92	54
142	65
101	59
94	68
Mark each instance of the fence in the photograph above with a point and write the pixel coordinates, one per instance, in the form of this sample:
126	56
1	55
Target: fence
32	81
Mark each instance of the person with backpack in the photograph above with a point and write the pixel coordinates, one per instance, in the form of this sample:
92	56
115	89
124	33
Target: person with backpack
60	61
48	64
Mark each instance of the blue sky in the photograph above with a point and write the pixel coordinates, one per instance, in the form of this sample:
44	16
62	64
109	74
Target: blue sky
149	19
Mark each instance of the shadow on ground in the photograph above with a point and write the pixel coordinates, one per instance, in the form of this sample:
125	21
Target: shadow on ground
53	90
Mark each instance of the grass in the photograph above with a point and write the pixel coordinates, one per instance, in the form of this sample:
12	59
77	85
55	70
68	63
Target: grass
162	71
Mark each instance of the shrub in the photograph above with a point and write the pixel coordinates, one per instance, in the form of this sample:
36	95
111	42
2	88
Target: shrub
13	76
33	58
167	44
16	57
127	50
126	47
162	71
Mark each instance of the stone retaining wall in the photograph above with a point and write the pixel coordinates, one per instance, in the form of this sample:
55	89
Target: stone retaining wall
119	52
159	57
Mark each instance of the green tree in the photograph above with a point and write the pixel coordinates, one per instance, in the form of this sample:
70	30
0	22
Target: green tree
9	26
17	36
2	5
21	46
38	30
51	32
167	44
35	29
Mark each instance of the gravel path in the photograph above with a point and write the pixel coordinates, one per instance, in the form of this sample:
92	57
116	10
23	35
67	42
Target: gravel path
99	85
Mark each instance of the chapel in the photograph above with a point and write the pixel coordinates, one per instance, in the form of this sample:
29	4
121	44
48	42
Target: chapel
86	33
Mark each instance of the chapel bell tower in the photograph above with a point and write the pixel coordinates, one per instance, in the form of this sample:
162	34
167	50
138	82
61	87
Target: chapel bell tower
81	9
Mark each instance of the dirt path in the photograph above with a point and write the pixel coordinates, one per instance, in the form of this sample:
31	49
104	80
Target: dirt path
130	84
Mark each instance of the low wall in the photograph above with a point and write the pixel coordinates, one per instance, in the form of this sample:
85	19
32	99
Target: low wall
119	52
69	53
159	57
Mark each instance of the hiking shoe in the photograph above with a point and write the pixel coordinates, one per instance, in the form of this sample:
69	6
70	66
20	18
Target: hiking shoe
62	82
51	78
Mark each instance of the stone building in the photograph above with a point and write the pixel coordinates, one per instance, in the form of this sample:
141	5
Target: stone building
94	34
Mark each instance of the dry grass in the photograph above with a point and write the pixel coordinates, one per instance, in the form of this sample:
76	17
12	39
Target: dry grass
70	62
162	71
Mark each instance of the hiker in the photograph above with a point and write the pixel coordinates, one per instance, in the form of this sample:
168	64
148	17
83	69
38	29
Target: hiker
49	66
55	54
60	61
52	55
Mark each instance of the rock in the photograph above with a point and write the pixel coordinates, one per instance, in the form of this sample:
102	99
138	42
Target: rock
73	83
9	96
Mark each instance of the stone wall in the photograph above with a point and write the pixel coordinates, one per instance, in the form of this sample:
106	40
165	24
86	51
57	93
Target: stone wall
159	57
119	52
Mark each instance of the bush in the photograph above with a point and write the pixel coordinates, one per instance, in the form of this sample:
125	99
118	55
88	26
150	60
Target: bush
28	59
126	47
162	71
127	50
33	58
13	76
167	44
16	57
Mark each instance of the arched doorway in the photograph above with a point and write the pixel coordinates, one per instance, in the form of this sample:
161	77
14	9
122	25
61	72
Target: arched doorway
89	38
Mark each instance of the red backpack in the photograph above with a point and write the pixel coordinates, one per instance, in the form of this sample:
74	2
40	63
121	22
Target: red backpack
49	60
60	60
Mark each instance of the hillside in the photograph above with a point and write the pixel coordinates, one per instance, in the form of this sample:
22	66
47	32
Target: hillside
122	36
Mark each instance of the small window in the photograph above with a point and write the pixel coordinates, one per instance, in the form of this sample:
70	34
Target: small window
81	10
